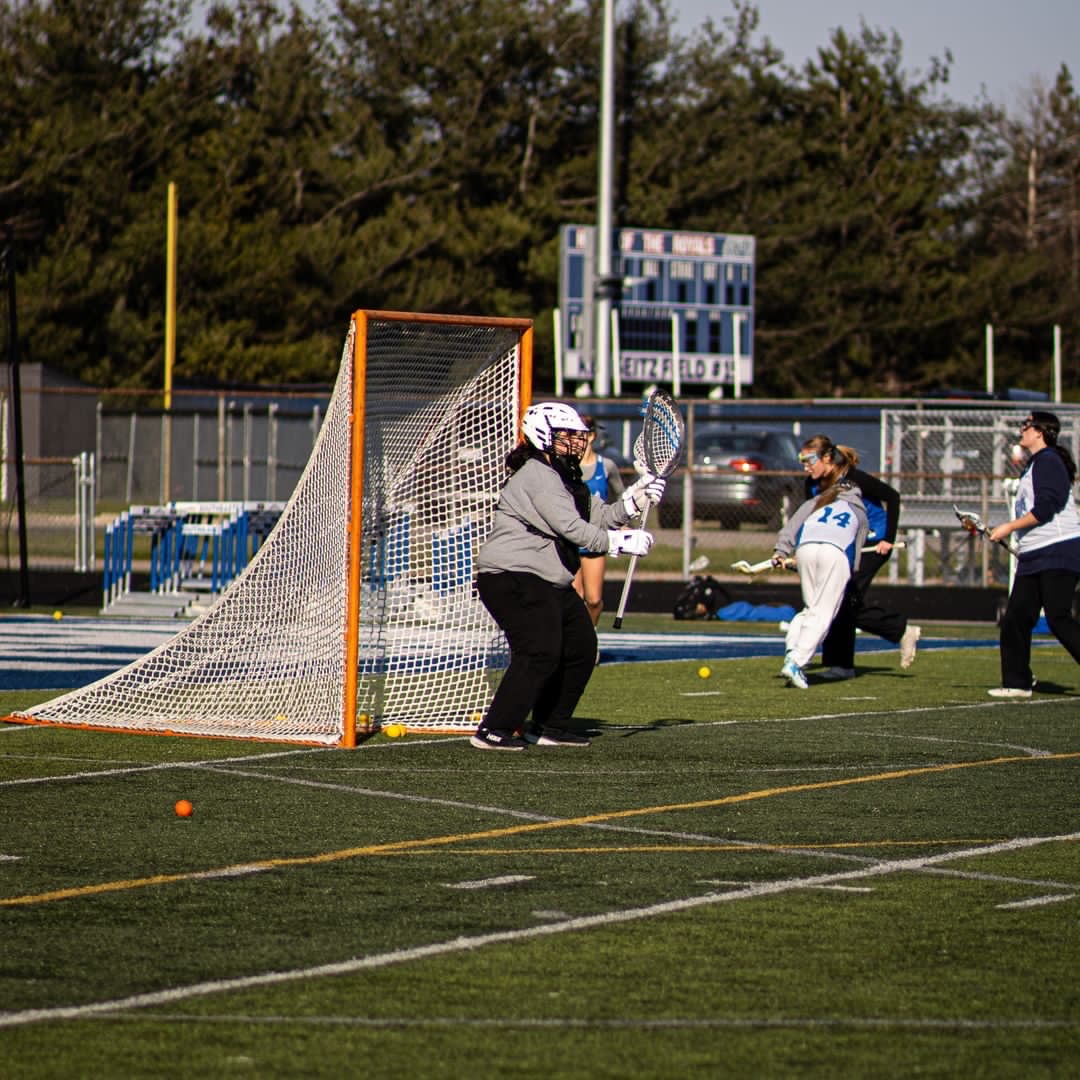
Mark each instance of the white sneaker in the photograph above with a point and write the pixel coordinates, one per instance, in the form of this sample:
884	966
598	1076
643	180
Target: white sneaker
836	673
1009	691
794	675
908	644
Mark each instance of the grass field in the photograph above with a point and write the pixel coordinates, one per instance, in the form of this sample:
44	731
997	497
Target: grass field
875	877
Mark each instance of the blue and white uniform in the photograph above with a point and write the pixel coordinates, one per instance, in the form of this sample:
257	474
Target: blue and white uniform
1053	544
826	541
1047	567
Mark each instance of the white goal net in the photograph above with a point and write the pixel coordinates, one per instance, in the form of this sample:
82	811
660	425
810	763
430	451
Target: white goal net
334	629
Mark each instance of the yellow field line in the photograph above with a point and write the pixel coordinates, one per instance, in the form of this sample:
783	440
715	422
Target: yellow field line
399	846
747	846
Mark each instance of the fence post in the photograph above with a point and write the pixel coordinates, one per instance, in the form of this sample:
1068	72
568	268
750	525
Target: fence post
221	448
271	451
247	452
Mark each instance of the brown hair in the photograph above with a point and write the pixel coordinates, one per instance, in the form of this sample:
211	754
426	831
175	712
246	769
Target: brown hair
839	459
1049	426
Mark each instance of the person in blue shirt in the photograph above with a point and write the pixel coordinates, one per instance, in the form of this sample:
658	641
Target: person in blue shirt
601	476
1047	531
819	456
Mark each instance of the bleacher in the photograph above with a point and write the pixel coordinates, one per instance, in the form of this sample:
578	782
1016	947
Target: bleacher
195	550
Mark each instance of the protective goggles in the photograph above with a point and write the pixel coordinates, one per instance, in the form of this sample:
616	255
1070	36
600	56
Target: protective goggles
570	438
808	457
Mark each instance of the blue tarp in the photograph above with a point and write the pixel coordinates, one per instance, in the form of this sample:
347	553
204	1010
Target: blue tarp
744	611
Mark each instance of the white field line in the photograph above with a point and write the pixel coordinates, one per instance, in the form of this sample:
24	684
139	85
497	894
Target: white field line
833	854
1036	901
948	706
349	789
490	883
644	1023
480	941
405	744
1033	751
164	766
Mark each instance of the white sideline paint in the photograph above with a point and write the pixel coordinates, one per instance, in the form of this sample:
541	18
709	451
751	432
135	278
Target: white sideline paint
162	766
491	882
855	1023
466	944
1036	901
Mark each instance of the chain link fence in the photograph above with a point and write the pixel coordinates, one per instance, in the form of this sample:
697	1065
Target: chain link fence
233	451
91	456
940	459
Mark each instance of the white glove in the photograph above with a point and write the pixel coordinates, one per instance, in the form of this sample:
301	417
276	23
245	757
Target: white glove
647	491
629	542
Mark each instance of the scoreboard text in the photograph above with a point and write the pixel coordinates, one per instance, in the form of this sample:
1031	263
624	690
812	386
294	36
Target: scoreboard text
704	280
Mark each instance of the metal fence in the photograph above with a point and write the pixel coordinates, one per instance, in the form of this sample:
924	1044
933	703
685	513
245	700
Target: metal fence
239	452
939	459
231	450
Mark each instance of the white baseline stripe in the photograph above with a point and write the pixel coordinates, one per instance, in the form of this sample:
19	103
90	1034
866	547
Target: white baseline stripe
163	766
480	941
1036	901
631	1023
491	882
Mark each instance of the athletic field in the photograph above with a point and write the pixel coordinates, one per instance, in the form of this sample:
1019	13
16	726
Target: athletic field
873	877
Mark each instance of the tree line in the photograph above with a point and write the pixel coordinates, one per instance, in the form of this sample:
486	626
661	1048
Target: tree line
415	156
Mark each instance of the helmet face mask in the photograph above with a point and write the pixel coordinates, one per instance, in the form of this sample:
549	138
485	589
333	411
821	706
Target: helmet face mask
542	423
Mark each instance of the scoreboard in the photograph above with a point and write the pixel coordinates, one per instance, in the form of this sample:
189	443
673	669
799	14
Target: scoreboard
701	285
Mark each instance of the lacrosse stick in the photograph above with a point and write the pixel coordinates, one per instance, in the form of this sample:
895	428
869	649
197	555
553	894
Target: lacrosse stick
972	523
744	567
660	448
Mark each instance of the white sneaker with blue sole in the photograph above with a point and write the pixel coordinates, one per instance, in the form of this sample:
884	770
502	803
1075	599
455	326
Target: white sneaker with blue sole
794	675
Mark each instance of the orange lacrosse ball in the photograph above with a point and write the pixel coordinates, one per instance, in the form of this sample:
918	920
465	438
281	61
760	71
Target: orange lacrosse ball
184	808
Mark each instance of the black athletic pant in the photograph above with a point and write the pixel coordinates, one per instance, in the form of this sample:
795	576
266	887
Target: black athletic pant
838	648
552	650
1051	591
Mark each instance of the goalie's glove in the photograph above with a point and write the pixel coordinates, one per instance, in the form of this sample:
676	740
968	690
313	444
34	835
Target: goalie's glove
629	542
647	491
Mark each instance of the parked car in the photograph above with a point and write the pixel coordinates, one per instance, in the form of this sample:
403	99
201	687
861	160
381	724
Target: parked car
734	477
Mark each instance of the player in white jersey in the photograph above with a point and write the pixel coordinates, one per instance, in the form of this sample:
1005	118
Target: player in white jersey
825	535
1046	530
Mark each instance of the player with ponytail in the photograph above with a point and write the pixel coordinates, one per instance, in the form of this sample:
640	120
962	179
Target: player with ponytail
823	461
1047	528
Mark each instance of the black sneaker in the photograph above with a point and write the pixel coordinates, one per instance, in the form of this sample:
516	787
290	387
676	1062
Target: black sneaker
550	736
487	739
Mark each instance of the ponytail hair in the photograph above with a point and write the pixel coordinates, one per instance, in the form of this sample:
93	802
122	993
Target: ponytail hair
839	458
519	455
1049	426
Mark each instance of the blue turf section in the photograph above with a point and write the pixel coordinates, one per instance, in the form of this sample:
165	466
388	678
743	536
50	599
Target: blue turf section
38	652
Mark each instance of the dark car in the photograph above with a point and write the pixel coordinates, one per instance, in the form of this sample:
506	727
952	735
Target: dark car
735	477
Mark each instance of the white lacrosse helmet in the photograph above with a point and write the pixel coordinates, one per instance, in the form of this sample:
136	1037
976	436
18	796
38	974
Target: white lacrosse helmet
541	421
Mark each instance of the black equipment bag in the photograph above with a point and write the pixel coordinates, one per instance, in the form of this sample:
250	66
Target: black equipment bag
701	598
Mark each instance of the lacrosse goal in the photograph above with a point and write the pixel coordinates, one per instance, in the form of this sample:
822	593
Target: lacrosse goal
359	610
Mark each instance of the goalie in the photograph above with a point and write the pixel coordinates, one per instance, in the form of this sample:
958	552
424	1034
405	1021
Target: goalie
525	574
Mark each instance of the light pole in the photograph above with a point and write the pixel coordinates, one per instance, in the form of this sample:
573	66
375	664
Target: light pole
605	283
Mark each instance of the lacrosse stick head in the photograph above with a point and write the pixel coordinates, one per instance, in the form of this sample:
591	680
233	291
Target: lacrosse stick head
970	521
660	445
